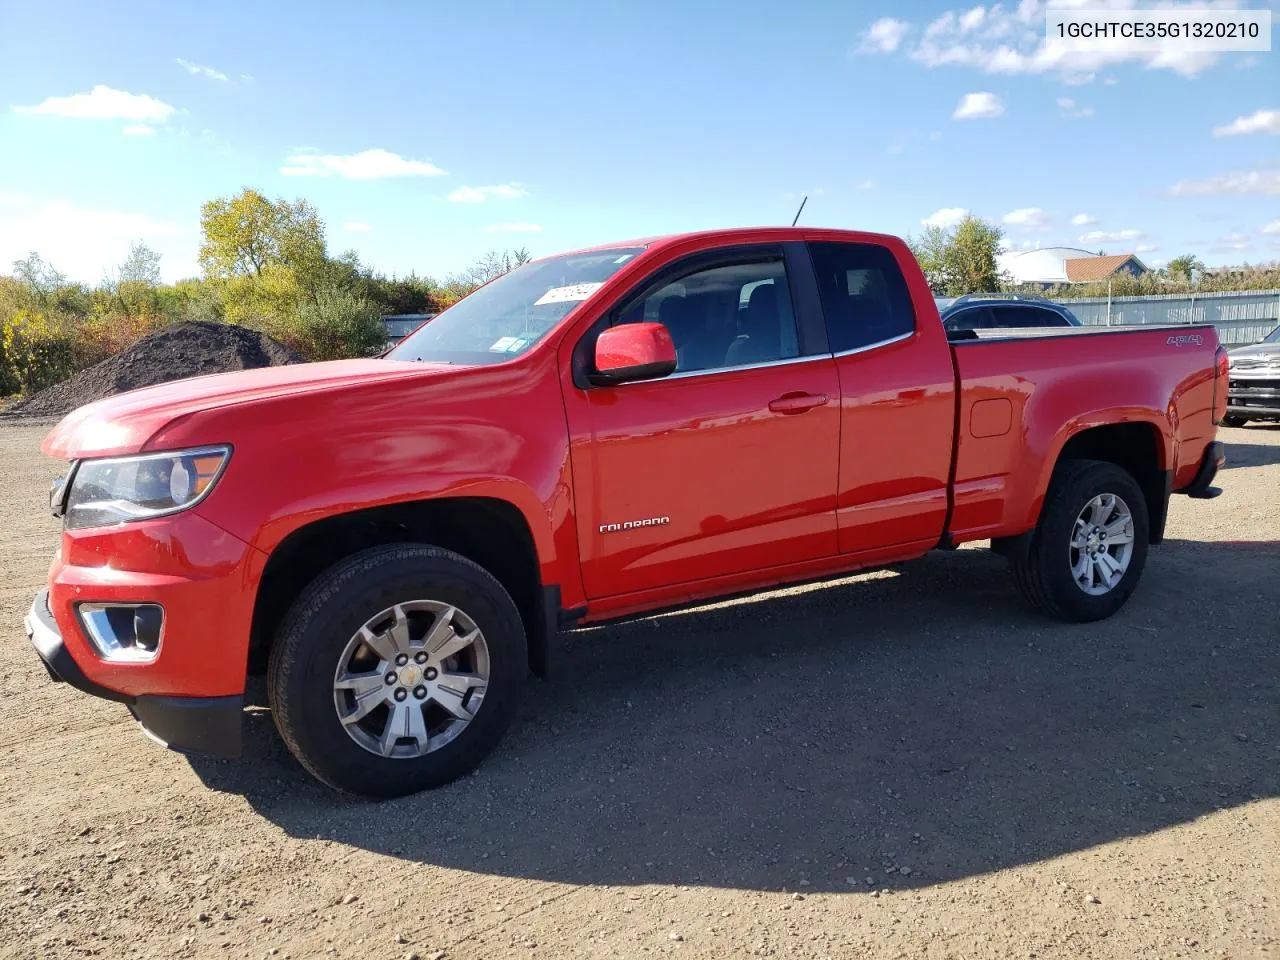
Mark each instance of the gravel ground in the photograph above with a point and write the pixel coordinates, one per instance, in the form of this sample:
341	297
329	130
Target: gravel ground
906	763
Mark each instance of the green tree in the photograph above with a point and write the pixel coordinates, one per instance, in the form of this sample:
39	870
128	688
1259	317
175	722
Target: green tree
961	260
245	235
1185	267
930	249
970	260
142	266
40	278
333	324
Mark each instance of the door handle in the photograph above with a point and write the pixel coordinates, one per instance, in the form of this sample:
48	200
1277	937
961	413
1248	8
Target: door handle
797	402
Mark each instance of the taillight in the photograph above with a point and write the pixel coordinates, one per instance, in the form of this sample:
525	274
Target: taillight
1222	367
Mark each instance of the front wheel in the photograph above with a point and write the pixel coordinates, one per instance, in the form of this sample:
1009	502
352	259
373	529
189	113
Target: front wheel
1087	552
1234	421
397	670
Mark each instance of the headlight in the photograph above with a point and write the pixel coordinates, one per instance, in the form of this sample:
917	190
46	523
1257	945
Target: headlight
120	489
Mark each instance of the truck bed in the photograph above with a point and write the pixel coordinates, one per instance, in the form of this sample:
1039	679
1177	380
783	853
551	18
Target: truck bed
1026	333
1020	401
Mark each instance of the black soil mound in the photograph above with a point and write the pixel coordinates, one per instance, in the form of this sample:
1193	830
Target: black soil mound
183	350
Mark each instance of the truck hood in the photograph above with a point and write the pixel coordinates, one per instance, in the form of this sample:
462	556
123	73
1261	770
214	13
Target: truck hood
123	423
1257	351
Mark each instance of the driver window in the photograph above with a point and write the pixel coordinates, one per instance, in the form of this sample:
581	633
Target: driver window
725	316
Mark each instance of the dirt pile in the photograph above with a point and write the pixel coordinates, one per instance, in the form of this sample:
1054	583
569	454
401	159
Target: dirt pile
183	350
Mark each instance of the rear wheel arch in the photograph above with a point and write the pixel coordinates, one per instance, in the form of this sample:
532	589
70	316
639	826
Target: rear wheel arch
1137	447
491	532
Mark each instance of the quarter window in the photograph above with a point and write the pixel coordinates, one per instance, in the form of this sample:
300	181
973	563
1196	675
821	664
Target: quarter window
864	296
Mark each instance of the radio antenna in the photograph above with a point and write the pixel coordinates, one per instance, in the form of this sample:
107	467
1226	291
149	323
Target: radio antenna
801	210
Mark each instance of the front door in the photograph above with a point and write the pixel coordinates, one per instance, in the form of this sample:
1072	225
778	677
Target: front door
726	466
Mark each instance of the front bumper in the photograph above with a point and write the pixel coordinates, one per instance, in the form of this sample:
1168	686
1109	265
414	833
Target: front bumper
188	695
209	725
1253	397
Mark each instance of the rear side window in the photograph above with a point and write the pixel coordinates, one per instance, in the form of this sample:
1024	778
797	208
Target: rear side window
972	318
864	296
1028	317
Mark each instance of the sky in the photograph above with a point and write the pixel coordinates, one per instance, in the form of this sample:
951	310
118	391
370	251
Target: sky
429	133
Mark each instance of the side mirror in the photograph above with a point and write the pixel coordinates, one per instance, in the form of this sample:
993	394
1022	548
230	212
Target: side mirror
633	351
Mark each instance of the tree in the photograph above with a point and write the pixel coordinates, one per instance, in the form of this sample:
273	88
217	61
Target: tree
40	278
243	236
1187	267
970	261
333	324
142	266
930	249
961	260
493	265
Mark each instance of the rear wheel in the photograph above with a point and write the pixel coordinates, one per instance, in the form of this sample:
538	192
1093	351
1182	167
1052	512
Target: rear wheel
397	670
1234	421
1087	552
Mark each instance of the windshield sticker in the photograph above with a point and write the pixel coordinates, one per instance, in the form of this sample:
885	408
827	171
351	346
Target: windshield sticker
507	344
574	291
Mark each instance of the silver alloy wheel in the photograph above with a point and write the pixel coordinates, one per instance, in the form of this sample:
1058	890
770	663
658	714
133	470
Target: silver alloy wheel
411	679
1101	544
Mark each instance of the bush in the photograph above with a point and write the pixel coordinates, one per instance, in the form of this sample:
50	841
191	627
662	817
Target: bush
35	351
332	324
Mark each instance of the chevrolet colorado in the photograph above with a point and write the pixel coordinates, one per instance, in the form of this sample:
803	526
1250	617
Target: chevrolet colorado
592	436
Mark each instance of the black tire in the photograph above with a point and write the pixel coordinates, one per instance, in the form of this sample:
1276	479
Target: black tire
326	616
1234	421
1043	570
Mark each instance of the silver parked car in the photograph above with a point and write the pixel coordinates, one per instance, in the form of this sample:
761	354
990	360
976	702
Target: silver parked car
1253	386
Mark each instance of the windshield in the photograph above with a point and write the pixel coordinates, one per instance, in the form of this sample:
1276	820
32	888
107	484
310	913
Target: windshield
1272	337
507	316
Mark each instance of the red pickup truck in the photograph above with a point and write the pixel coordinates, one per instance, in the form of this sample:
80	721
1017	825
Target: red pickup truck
592	436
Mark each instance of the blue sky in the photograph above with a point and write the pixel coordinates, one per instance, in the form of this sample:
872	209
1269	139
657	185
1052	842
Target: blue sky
428	133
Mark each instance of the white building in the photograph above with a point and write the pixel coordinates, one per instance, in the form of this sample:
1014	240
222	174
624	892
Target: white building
1048	266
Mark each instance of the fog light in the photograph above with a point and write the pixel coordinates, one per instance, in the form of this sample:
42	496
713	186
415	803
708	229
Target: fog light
123	631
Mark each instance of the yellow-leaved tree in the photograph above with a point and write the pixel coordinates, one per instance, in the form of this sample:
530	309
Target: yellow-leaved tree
266	255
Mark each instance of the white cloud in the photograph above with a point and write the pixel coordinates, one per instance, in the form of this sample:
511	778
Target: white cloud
356	226
884	36
501	191
1263	121
1272	227
139	130
104	103
1230	242
946	218
1145	248
86	242
1011	39
1245	182
972	19
514	228
366	165
197	69
1083	220
975	105
1069	108
1111	236
1028	218
864	185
